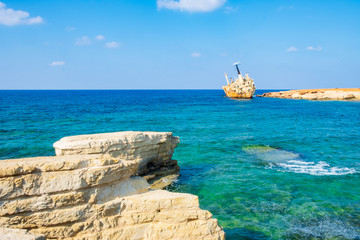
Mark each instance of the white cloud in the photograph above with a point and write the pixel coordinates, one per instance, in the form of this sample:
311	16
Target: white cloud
112	44
57	63
84	40
10	17
292	49
191	5
99	37
196	54
311	48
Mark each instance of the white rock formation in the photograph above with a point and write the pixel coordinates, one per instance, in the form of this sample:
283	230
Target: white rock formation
93	189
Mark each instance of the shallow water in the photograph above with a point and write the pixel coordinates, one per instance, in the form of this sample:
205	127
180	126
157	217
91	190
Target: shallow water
283	160
266	168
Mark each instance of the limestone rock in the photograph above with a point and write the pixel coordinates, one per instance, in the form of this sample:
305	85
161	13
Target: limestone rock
92	190
145	148
318	94
164	176
57	181
18	234
152	215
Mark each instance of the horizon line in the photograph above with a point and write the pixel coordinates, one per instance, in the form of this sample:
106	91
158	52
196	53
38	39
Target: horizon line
130	89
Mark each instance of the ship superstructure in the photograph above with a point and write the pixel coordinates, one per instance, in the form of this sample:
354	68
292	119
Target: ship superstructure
242	87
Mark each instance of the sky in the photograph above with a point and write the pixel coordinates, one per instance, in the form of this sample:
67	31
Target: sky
184	44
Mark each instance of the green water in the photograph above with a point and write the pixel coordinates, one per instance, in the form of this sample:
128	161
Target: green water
265	168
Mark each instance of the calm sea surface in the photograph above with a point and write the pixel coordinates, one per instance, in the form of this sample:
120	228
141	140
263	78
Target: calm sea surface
266	168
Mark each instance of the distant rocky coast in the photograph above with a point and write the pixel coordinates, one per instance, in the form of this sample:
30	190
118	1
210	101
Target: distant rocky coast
99	187
317	94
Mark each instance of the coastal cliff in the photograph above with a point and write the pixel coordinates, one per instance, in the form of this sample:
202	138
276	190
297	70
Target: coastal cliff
93	189
317	94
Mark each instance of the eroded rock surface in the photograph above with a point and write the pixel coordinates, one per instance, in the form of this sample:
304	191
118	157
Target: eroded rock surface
318	94
94	189
18	234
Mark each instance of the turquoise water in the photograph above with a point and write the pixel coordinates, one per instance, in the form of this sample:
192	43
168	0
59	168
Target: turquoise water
266	168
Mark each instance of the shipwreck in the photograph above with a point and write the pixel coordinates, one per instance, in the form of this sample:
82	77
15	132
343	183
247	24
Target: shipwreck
242	87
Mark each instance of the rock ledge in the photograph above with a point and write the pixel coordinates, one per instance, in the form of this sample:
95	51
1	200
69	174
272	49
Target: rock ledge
94	189
317	94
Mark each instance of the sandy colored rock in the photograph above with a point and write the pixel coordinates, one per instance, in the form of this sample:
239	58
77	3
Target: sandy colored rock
126	144
144	148
96	192
159	214
163	177
318	94
18	234
52	182
101	193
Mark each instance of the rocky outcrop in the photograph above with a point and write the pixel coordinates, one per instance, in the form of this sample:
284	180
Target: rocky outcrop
94	189
318	94
150	152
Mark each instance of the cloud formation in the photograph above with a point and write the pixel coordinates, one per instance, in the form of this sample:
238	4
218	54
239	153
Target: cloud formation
10	17
112	44
83	41
196	54
311	48
57	63
191	5
99	37
292	49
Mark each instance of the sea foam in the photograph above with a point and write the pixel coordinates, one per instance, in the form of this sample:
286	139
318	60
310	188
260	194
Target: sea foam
287	161
320	169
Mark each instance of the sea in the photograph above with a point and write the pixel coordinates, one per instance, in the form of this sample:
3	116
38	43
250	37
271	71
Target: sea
266	168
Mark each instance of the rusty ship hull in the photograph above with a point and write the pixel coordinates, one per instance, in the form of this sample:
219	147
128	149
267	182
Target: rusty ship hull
233	94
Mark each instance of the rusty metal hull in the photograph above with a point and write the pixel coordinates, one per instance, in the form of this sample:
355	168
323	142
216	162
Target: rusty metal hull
233	94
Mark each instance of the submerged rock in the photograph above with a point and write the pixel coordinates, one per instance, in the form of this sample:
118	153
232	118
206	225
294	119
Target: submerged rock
288	161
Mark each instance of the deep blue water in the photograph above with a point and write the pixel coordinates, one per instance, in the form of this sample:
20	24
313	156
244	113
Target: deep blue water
266	168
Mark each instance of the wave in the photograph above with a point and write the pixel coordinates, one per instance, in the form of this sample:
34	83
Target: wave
320	169
287	161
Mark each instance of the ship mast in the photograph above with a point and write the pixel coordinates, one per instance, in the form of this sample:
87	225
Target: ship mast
227	80
237	68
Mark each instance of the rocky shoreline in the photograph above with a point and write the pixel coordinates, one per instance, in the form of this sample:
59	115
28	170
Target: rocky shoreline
317	94
101	186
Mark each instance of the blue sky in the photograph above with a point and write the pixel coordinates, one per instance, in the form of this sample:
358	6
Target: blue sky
167	44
